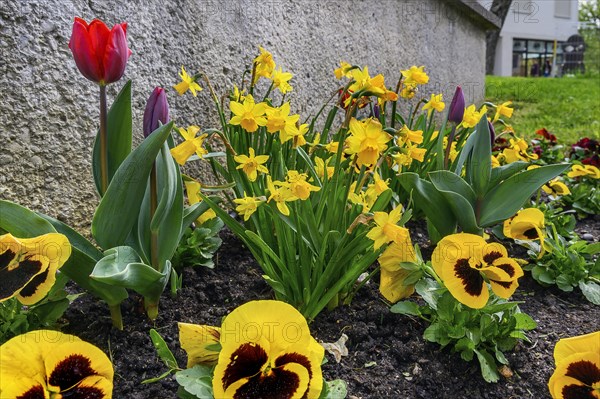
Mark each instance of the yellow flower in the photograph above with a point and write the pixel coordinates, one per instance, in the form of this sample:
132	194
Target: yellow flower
50	364
367	140
393	275
192	187
386	228
556	188
280	80
191	145
247	206
238	96
517	151
527	224
299	186
577	374
495	162
28	265
248	114
415	75
377	188
360	198
434	103
187	83
413	136
280	120
320	168
297	134
503	110
409	91
343	70
265	65
332	147
363	81
464	262
267	348
453	153
584	170
471	117
252	164
280	193
199	343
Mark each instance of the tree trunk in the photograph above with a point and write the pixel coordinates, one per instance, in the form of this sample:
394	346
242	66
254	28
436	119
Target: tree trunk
500	8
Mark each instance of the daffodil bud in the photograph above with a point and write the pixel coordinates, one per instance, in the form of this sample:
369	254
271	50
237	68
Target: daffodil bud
457	107
157	109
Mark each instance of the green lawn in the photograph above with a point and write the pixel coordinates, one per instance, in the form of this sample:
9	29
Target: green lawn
567	107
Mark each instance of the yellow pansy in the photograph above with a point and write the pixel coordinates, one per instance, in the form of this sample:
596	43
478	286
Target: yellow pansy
280	80
555	187
386	228
50	364
415	75
252	164
246	206
527	224
584	170
190	145
248	114
503	110
464	262
367	140
28	265
517	151
435	103
187	83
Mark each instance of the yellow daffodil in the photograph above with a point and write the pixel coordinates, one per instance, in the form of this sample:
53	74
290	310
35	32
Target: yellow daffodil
199	343
280	120
320	168
265	65
192	188
332	147
527	224
280	80
415	75
465	263
413	136
453	152
252	164
267	348
471	117
584	170
556	188
246	206
393	275
187	83
28	265
409	91
503	110
377	188
299	186
495	162
360	198
238	95
281	193
435	103
343	70
386	228
297	134
577	374
248	114
191	145
406	155
363	81
367	140
49	364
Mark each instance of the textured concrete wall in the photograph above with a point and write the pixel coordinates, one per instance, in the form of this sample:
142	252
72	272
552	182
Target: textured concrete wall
48	111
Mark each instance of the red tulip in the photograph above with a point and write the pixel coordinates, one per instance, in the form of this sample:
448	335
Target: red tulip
100	54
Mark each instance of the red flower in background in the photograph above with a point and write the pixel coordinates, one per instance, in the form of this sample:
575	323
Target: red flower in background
100	54
547	135
593	160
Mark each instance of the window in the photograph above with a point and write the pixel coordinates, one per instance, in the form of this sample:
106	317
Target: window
562	8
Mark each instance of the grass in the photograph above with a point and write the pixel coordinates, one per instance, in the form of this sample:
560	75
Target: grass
567	107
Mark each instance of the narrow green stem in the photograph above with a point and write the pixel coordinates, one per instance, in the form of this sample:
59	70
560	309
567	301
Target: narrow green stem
153	205
115	315
449	146
103	140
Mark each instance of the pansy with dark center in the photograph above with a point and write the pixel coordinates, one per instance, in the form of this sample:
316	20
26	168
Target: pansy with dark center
527	224
466	264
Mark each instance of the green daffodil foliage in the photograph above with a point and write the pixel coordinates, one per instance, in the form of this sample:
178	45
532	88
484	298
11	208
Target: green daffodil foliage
473	195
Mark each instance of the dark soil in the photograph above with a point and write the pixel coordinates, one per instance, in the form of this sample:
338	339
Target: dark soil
388	358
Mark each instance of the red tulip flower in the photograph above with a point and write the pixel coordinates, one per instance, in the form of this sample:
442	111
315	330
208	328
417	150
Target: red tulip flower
100	54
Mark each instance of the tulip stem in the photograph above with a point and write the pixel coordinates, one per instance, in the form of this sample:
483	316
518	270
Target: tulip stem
103	144
449	146
115	315
153	206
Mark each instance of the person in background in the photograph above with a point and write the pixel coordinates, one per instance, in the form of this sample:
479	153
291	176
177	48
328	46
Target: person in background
535	69
547	69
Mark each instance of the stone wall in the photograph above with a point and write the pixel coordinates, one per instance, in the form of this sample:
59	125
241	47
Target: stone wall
48	111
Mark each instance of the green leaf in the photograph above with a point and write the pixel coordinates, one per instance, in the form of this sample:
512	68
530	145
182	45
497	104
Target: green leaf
196	381
448	184
524	322
118	136
502	173
428	289
407	308
335	389
465	152
488	366
119	208
431	202
22	222
163	350
479	166
445	180
591	291
503	201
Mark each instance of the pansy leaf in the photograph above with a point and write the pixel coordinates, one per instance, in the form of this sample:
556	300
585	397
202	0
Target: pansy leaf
335	389
488	366
407	308
196	381
163	350
591	291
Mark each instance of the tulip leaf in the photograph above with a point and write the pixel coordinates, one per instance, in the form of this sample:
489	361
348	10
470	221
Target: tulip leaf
465	152
479	167
118	136
22	222
431	201
163	350
119	208
504	200
502	173
447	181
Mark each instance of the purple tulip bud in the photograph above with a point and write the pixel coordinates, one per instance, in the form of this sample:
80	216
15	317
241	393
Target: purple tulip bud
457	106
157	109
376	111
492	133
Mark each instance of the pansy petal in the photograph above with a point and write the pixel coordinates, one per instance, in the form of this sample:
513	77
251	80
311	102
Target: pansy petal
466	284
576	376
579	344
200	343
